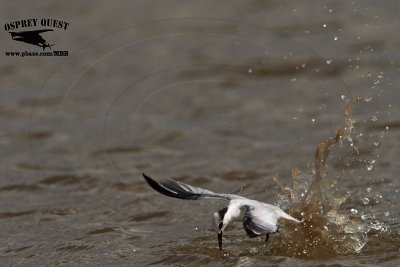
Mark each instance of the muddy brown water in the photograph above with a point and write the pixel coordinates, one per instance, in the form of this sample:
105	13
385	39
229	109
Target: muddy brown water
232	97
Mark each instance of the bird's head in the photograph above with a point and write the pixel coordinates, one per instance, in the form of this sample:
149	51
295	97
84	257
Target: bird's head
220	224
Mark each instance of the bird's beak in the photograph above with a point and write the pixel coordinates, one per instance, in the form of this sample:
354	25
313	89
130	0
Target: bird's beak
220	240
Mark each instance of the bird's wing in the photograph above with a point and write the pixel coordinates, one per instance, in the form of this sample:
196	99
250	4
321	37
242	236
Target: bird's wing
181	190
259	220
40	31
30	32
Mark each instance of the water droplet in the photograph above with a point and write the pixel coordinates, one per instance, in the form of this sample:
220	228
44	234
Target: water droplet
250	70
295	118
324	25
343	97
313	120
378	226
293	79
370	167
335	38
376	144
387	213
387	127
365	201
374	118
329	61
368	99
369	189
354	211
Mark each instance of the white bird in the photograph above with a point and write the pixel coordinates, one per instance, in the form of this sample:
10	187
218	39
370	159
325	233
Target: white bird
258	217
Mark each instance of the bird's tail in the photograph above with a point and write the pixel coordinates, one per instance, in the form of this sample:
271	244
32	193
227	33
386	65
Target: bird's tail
288	217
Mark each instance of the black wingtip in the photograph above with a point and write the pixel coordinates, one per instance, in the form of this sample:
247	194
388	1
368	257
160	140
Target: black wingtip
146	177
159	187
153	183
171	188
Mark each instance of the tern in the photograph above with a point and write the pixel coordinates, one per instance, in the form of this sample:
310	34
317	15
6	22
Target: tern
258	218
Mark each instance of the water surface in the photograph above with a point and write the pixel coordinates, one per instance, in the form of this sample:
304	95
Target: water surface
226	97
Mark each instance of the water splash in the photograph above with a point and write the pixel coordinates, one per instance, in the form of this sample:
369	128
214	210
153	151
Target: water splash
324	231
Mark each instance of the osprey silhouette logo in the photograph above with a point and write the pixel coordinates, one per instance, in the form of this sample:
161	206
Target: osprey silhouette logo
32	37
36	32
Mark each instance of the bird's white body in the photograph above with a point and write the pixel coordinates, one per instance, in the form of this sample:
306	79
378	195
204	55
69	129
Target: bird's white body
258	217
262	213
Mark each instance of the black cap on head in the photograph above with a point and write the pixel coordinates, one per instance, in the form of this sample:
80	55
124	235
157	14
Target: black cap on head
222	212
